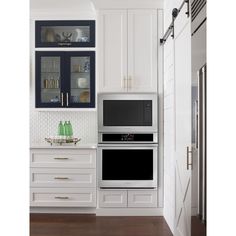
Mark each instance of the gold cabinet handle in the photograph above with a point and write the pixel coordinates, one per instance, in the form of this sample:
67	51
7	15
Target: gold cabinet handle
129	83
61	158
67	99
61	178
58	197
189	163
124	82
62	99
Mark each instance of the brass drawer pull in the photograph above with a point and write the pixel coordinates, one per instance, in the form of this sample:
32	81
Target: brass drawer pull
61	197
61	158
61	178
129	83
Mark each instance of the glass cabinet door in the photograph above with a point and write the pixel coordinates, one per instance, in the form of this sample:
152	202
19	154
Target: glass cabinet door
65	79
65	33
48	79
82	79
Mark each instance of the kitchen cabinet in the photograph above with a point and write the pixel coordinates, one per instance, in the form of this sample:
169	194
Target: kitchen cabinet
65	79
113	198
127	198
62	177
128	50
73	33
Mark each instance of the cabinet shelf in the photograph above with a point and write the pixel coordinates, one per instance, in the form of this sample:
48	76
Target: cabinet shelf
53	72
82	72
81	88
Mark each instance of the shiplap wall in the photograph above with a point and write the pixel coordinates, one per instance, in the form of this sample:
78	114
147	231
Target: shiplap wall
169	118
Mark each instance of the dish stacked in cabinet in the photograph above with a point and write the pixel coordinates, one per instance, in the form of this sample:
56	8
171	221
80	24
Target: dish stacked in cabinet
62	177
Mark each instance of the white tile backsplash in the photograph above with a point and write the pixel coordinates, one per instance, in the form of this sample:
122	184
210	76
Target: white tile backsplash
44	124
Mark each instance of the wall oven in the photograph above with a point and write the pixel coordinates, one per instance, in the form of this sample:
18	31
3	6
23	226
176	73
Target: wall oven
127	112
128	164
127	140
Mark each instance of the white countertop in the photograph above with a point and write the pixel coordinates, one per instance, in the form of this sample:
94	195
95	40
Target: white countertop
65	146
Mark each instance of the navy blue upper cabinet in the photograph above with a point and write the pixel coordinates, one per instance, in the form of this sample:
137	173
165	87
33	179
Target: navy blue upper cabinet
65	79
75	33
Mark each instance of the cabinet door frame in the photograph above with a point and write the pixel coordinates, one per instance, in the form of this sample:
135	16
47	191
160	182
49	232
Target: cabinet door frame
38	56
68	56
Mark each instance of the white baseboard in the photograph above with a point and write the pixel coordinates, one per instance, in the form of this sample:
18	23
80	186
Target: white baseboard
194	211
63	210
129	212
100	211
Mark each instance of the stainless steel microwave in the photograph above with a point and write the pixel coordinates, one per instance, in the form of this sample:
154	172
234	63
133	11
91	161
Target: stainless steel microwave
127	112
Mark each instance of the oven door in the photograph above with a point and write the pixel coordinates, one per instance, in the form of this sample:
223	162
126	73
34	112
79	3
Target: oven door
127	166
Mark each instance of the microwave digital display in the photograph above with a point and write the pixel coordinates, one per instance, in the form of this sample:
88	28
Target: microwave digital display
127	113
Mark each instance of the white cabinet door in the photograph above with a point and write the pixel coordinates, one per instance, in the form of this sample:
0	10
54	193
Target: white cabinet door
113	198
142	198
142	50
128	50
182	60
112	51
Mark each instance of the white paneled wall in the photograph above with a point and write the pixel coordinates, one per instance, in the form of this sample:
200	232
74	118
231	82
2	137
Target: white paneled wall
169	118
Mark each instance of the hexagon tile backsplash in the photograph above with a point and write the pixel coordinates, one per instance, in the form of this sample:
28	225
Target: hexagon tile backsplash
44	124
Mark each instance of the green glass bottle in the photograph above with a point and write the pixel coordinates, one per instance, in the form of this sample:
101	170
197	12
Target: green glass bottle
66	129
61	130
70	130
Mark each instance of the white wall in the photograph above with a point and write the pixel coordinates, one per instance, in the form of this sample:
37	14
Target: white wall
44	124
169	118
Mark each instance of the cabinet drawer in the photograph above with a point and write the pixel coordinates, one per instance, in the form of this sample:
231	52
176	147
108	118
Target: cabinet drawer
113	198
44	177
63	197
142	198
63	158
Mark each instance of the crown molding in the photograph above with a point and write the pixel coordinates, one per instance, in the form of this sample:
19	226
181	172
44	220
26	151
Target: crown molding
126	4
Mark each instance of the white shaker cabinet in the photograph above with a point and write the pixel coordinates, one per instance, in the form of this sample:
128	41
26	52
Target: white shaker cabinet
62	177
128	50
138	198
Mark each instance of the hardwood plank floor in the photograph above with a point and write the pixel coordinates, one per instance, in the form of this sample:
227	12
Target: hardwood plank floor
197	227
91	225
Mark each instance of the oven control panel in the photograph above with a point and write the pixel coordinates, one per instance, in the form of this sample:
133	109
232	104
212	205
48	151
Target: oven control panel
131	137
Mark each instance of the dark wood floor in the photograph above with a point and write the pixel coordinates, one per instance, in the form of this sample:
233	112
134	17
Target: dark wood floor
91	225
197	227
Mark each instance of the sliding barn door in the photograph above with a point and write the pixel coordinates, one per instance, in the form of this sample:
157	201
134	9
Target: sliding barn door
182	51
